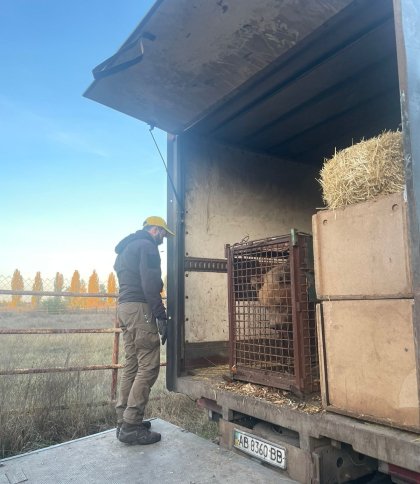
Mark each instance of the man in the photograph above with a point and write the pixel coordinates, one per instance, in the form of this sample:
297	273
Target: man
141	315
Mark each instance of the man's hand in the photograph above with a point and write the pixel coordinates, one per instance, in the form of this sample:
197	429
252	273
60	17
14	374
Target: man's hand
162	325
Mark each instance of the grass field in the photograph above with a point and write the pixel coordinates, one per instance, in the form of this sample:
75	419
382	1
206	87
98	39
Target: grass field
42	409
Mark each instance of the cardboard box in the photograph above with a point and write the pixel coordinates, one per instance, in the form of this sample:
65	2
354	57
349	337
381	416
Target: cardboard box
368	360
362	251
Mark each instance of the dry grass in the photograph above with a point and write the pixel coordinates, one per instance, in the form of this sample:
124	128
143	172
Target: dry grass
40	410
43	409
364	171
179	410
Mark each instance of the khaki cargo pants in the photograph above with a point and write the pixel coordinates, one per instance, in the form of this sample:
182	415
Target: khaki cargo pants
142	360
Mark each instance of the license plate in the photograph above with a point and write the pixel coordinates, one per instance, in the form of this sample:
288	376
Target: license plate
260	448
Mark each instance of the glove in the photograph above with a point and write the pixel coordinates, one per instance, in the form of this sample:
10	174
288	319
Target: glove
162	325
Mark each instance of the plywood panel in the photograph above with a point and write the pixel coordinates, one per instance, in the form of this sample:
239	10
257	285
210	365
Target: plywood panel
232	194
206	308
362	250
370	360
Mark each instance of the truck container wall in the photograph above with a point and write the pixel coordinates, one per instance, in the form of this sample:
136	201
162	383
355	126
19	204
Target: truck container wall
369	238
380	384
230	195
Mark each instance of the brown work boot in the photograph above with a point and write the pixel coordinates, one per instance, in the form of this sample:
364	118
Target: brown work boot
146	423
137	434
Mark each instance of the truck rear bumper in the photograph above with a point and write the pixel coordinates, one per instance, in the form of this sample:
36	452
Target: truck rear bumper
386	444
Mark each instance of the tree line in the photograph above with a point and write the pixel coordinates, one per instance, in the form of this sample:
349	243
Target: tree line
77	285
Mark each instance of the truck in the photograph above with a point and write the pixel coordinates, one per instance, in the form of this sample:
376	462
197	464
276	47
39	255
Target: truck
254	96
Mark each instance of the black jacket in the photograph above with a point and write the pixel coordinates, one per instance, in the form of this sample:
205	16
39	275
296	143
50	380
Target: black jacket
138	270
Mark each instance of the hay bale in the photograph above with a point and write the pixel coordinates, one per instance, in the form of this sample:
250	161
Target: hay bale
364	171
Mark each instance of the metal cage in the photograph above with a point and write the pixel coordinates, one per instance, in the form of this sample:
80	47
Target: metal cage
272	312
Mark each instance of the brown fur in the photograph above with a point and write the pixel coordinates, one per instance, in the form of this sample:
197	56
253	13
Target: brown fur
275	294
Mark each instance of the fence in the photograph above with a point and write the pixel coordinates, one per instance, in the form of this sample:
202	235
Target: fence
56	294
59	302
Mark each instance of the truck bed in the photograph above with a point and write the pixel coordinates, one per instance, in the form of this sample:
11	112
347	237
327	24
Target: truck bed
180	457
308	420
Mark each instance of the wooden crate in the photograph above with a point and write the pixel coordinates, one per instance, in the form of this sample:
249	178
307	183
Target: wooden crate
362	251
368	360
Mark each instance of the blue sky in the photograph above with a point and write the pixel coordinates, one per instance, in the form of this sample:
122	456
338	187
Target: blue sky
76	176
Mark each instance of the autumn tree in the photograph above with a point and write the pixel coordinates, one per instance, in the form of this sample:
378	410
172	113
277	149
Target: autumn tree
81	301
93	287
17	285
37	286
58	282
164	288
75	287
111	288
75	282
58	287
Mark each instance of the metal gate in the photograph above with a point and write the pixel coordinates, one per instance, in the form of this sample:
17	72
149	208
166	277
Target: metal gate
63	302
